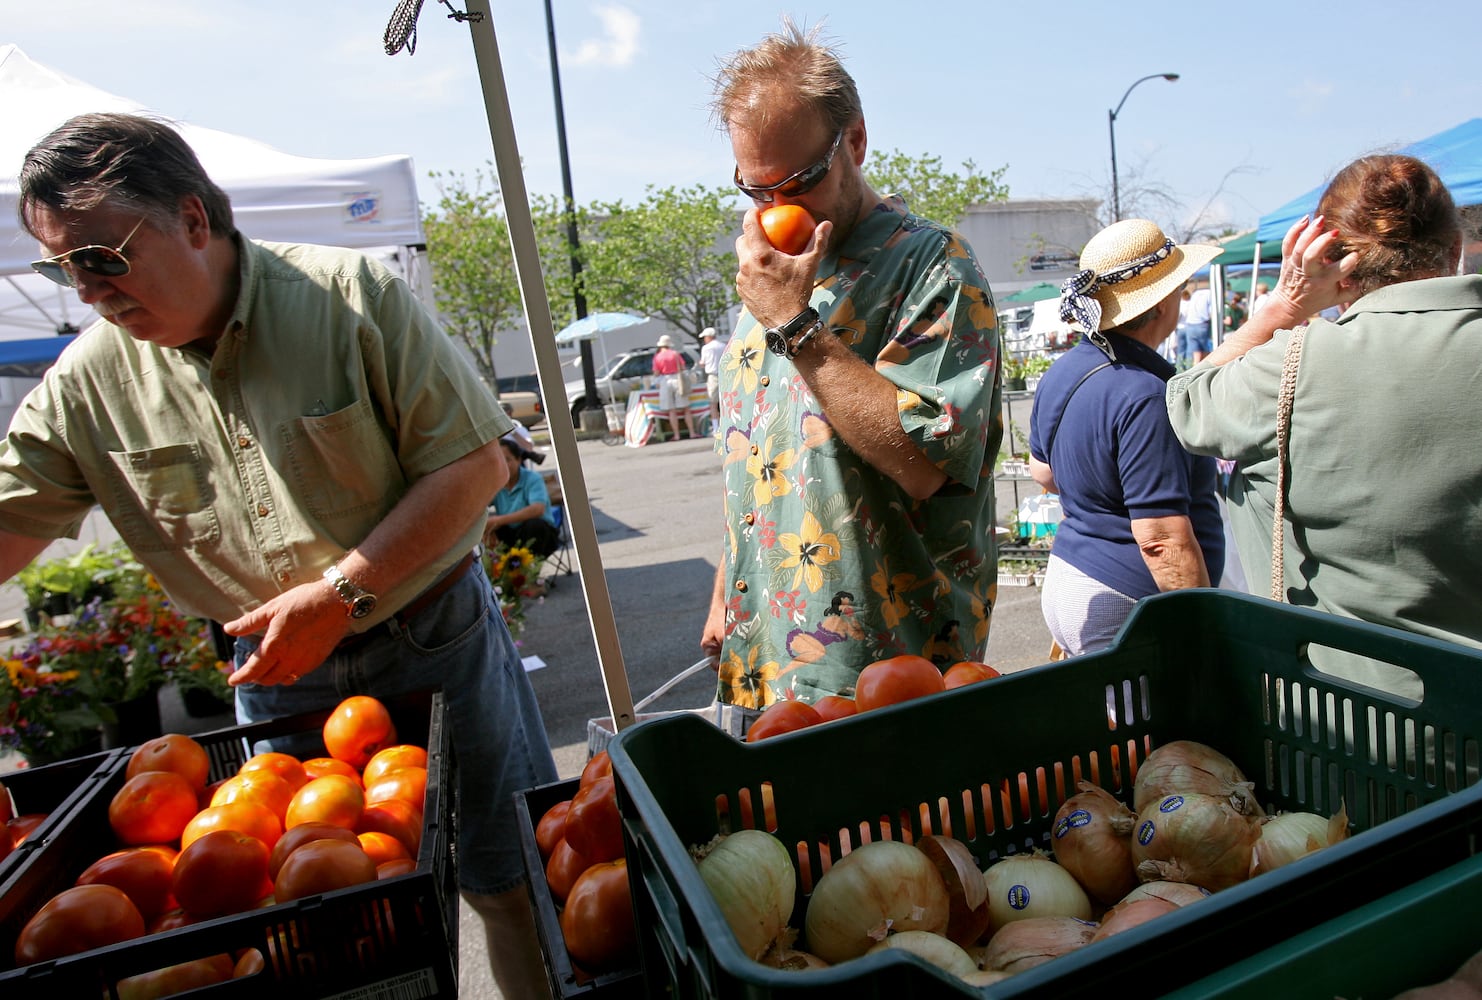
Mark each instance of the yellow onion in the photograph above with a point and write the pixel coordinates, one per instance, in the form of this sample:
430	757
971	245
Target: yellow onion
1194	838
1024	944
750	875
966	888
1125	916
873	890
1182	767
933	948
1177	893
1092	839
1032	885
1286	837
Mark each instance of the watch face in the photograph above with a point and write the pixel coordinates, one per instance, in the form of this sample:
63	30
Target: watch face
362	605
777	343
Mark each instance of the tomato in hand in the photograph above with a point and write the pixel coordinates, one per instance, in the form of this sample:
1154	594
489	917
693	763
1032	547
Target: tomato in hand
897	679
788	227
597	921
967	672
783	717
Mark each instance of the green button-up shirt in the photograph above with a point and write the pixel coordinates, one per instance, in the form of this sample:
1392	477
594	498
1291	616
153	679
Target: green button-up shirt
830	564
238	476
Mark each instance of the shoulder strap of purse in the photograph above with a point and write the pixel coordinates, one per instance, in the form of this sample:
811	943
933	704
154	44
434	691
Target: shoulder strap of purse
1050	441
1284	398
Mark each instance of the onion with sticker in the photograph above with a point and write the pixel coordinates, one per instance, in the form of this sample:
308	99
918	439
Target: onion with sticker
1092	839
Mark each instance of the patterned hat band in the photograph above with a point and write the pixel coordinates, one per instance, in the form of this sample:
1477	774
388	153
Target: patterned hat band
1077	294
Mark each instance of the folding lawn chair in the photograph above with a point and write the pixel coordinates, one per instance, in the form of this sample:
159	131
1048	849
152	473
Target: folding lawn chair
560	560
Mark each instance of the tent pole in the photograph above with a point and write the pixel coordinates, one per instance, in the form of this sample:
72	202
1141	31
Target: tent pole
548	365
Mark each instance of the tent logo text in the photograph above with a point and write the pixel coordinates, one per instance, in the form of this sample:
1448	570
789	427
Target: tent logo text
363	206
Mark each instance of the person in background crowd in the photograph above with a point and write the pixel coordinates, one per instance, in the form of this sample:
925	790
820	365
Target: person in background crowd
521	511
1194	337
1141	515
674	390
1383	470
1263	289
286	440
711	351
860	452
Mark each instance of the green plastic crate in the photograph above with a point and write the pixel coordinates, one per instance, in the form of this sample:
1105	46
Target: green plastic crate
1227	670
1414	937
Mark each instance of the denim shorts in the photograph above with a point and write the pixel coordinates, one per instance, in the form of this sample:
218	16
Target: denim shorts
461	644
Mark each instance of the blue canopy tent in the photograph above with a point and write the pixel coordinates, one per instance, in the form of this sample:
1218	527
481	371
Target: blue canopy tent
30	358
1456	155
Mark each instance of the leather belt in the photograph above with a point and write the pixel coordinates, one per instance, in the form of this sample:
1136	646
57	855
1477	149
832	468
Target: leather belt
418	604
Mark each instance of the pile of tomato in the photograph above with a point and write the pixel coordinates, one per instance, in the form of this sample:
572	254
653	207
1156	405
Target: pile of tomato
581	842
279	829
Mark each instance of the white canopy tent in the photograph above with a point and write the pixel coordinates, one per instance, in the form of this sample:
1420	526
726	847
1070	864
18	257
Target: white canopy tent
370	203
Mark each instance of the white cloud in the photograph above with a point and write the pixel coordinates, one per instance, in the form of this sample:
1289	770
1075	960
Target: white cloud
1311	96
618	44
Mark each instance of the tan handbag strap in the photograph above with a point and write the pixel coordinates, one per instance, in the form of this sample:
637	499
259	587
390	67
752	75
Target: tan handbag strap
1284	398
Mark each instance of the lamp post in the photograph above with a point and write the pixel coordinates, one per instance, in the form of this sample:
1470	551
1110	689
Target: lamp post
1111	125
579	300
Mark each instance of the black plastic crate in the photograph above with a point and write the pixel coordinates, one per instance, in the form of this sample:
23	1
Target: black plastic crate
622	985
999	757
393	938
55	790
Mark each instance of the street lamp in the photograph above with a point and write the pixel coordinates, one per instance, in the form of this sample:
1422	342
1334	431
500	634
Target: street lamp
1111	125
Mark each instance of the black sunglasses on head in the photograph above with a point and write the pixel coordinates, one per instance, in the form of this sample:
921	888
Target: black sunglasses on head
105	262
800	183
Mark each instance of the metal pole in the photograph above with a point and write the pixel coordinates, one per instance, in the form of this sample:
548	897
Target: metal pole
579	298
548	365
1111	125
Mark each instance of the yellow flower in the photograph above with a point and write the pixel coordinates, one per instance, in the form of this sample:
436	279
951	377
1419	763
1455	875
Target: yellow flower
809	551
748	357
748	683
769	472
892	606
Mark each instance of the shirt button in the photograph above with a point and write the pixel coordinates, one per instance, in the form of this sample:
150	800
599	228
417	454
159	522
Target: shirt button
282	576
741	586
262	510
765	380
244	441
756	449
750	517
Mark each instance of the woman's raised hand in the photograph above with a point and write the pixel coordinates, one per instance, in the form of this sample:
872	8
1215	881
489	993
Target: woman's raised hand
1309	281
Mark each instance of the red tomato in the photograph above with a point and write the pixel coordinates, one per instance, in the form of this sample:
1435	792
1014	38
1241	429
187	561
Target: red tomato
593	828
143	874
783	717
177	978
322	866
20	827
388	760
172	752
597	920
562	870
833	706
788	227
406	783
898	679
224	871
396	817
967	672
333	798
358	729
245	817
551	828
600	766
399	866
153	807
78	919
302	834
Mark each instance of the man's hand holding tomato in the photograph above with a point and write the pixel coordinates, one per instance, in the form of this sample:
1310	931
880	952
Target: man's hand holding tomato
775	286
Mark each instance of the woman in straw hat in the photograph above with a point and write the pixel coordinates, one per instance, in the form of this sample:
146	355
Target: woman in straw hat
1382	473
1141	514
674	390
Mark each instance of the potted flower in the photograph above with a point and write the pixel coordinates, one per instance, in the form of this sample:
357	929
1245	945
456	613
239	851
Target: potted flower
45	715
515	572
60	586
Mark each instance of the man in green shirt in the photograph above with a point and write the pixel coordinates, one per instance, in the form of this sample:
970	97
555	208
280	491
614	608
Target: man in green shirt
285	438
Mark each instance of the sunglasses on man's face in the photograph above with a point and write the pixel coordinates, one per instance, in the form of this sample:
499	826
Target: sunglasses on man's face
792	186
105	262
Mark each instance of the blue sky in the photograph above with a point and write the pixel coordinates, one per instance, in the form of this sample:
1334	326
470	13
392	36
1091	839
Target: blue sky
1272	96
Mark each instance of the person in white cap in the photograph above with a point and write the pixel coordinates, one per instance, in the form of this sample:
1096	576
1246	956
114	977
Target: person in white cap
711	350
674	389
1140	513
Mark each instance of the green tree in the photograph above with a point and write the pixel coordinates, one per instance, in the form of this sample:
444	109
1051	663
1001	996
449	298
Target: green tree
931	192
671	256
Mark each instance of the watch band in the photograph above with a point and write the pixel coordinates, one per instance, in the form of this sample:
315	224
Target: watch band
785	340
358	603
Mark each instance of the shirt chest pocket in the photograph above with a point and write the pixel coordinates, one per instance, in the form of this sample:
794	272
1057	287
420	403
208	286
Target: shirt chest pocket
163	499
343	463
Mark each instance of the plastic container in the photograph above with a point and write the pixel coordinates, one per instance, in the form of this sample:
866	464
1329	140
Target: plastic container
55	790
1417	936
999	756
394	938
531	806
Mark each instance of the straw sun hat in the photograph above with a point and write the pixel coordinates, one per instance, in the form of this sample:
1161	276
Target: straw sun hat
666	341
1126	269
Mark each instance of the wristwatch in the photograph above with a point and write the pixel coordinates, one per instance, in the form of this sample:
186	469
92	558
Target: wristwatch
358	603
786	340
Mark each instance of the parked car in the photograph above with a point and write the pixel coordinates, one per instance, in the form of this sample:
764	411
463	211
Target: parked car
521	394
619	376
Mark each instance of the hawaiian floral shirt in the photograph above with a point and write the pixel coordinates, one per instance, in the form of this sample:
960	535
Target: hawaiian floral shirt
830	564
